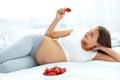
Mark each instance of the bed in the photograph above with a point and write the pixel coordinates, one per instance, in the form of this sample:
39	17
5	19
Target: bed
91	70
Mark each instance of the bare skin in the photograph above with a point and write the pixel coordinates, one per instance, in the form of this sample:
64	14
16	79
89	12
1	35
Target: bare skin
49	51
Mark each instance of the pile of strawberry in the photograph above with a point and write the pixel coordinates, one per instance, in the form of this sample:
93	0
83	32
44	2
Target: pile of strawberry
54	71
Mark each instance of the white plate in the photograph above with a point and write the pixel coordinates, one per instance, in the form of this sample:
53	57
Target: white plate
73	77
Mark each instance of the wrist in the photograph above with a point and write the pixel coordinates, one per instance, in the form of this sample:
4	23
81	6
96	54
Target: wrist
102	48
105	49
57	19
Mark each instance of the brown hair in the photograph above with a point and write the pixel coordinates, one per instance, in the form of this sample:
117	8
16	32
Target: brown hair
104	38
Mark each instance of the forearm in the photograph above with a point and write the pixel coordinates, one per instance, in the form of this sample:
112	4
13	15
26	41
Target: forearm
112	53
105	57
52	26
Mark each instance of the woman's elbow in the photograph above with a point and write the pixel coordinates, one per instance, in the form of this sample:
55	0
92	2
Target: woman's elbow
118	60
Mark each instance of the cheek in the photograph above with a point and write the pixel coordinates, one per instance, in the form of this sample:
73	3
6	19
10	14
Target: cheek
90	42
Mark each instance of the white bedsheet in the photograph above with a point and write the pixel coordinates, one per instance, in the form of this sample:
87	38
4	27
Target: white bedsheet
93	70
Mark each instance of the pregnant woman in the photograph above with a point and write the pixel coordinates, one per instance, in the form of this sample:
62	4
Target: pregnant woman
58	46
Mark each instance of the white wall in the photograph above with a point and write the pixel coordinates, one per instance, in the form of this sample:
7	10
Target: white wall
39	13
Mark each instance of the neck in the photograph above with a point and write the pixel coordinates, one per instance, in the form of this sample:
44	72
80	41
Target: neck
85	46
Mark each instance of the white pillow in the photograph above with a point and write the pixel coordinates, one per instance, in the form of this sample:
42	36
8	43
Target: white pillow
115	43
2	44
116	49
17	33
115	36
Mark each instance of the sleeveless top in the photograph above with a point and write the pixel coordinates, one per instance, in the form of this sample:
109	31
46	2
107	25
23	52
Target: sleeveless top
71	46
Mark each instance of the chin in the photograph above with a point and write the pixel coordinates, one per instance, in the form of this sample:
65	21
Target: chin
85	46
83	39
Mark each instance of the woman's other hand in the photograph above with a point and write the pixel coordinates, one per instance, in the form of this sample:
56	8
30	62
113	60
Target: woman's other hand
95	48
102	48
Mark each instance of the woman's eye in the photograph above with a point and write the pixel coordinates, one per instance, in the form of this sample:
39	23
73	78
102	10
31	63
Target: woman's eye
92	35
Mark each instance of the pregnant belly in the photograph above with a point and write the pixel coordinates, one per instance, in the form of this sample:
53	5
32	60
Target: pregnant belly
49	51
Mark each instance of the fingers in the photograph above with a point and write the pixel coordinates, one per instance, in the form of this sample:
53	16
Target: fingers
96	48
61	11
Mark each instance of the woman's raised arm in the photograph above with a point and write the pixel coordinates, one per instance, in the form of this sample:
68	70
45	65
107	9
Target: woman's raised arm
56	34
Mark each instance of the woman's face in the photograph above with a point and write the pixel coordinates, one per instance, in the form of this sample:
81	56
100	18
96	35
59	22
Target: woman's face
91	37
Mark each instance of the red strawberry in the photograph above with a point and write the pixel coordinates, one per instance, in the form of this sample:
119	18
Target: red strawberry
51	74
52	69
62	71
47	70
68	9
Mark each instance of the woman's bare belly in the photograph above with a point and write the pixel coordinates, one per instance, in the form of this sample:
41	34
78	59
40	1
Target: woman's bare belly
49	51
